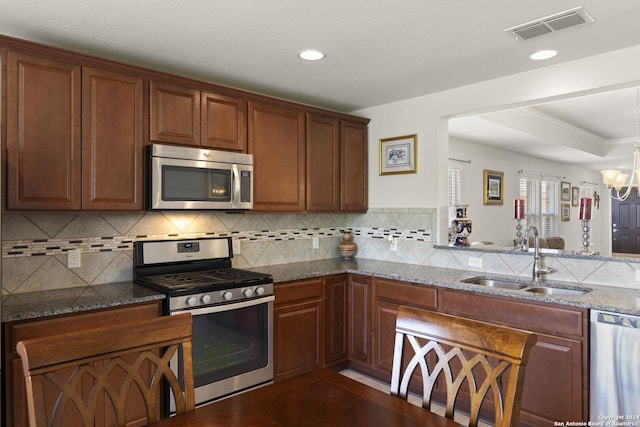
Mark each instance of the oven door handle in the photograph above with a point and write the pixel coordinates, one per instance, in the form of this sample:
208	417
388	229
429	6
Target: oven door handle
227	307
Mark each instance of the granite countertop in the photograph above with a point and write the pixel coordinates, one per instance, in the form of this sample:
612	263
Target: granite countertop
48	303
33	305
607	298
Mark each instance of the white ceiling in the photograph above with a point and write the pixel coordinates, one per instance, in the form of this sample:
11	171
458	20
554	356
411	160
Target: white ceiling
596	132
378	51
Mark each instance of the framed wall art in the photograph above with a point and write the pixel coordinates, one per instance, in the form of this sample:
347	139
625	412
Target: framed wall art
565	191
398	154
575	196
565	214
493	187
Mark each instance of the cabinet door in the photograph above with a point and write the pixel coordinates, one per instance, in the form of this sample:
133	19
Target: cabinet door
224	122
277	142
298	330
323	163
353	167
174	114
388	296
360	301
336	309
111	140
554	384
43	133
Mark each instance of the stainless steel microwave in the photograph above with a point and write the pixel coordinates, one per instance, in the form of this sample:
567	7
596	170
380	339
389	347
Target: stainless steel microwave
195	178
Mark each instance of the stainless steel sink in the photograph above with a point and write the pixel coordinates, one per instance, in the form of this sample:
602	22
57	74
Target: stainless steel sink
494	283
532	287
548	290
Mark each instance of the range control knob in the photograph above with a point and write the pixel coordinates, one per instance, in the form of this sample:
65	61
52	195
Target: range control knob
206	299
227	295
191	301
247	292
259	290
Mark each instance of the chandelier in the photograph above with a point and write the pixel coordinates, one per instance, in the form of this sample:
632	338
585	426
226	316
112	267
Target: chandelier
616	180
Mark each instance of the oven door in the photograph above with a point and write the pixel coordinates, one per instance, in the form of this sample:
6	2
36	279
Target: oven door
232	348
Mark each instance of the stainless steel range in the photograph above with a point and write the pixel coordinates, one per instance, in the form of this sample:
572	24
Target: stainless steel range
232	311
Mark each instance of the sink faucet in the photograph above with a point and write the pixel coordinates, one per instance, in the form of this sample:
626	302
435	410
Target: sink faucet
538	269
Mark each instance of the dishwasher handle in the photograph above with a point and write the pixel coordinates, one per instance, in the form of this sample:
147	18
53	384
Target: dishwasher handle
616	319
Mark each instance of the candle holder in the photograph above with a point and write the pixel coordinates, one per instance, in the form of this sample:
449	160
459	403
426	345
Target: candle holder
518	242
585	239
518	215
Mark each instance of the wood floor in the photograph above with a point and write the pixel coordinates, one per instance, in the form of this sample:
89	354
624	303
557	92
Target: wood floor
413	398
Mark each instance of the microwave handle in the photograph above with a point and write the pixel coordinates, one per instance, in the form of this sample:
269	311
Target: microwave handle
235	179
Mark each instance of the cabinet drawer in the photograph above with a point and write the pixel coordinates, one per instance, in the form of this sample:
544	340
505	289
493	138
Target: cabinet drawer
299	290
555	320
406	293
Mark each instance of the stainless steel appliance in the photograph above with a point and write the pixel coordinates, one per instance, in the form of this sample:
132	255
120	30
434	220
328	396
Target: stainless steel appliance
232	311
615	368
195	178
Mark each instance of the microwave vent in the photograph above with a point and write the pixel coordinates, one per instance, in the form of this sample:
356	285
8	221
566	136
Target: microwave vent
556	22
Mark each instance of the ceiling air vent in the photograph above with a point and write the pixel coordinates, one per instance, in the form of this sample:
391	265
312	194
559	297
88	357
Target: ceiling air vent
549	24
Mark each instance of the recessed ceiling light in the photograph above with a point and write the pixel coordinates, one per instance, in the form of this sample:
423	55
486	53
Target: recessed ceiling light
543	54
311	55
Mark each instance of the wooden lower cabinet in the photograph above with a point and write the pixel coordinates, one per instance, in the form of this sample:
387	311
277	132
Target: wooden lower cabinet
14	397
311	316
360	299
336	322
556	380
388	296
298	329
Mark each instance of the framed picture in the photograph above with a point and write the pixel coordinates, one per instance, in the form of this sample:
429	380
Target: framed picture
493	187
575	196
398	154
566	212
565	191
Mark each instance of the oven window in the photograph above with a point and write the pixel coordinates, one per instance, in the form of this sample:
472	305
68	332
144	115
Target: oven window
181	183
229	343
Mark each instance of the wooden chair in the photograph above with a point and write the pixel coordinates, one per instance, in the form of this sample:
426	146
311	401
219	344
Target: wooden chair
91	374
488	358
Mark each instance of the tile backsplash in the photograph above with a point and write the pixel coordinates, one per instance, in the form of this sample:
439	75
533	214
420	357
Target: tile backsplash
35	246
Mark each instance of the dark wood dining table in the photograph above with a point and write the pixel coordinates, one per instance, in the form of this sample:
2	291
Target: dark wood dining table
322	398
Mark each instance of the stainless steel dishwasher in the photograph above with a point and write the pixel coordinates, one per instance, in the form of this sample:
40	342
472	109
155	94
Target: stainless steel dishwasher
615	367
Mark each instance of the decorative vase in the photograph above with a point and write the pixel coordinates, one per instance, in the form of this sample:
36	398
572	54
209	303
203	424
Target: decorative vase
347	248
461	226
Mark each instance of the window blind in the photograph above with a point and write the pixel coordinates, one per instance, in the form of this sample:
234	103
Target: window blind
542	204
455	185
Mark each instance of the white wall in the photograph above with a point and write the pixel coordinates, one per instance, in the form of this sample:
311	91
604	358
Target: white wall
428	115
496	223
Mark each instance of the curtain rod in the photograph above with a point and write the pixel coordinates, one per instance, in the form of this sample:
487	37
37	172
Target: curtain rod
590	183
541	174
458	160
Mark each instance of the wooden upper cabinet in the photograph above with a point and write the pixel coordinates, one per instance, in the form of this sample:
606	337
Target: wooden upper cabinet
323	163
187	116
174	114
353	167
224	122
277	142
111	140
43	133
